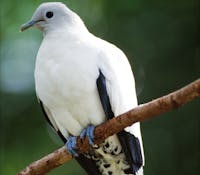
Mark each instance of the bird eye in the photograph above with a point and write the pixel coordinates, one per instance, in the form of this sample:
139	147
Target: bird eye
49	14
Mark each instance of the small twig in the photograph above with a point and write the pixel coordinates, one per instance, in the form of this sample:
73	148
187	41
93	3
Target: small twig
117	124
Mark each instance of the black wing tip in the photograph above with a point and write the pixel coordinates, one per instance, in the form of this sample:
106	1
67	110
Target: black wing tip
132	149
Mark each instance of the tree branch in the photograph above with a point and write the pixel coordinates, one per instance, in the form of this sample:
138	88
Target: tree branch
117	124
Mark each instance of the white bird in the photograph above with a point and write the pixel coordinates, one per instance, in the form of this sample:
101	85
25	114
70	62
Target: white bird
82	81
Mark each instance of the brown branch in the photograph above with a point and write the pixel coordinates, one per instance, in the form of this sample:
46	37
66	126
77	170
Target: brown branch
115	125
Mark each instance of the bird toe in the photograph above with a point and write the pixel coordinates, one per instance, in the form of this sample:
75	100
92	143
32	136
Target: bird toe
89	133
71	145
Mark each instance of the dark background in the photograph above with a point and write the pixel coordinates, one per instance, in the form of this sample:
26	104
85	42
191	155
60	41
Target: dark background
161	40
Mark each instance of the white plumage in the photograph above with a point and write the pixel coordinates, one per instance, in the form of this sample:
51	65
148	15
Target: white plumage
66	71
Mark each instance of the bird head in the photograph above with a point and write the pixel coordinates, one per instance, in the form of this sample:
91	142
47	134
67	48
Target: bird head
51	16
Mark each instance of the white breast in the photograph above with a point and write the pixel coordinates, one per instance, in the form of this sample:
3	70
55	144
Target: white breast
65	78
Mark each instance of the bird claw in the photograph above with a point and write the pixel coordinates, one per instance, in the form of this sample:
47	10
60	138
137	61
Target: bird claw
89	133
71	145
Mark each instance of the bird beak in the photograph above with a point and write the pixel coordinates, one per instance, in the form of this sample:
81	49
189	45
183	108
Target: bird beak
28	25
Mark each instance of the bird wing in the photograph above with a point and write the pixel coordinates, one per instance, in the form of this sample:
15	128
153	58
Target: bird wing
50	119
116	89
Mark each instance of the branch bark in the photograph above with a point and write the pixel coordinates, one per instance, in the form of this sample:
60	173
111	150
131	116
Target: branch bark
142	112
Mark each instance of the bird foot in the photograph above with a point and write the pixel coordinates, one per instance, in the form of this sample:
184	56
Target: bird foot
89	133
71	145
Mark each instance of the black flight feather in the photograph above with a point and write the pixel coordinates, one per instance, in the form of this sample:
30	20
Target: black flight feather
130	144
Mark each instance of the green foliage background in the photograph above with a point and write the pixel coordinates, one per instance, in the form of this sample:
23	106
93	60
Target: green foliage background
161	40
